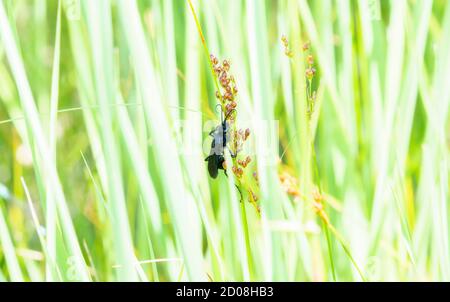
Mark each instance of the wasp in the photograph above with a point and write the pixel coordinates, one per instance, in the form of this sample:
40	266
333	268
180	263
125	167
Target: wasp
220	135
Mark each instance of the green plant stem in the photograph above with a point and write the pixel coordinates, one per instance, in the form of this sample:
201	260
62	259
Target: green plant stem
330	251
205	47
347	250
247	239
236	181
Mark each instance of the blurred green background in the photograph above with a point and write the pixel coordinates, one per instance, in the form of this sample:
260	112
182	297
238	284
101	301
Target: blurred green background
105	110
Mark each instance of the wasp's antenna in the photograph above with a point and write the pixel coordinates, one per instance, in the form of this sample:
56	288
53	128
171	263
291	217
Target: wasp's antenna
221	112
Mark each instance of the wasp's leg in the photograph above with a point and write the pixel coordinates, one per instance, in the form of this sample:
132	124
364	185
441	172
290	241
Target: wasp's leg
240	193
233	155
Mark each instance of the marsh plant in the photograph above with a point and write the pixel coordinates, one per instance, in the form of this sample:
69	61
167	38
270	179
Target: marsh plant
336	166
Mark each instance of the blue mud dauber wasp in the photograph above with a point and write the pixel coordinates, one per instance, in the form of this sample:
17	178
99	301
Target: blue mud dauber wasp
216	157
220	135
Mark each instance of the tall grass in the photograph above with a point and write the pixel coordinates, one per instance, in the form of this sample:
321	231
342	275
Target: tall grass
105	110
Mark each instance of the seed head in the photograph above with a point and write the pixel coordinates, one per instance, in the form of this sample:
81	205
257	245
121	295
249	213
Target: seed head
226	65
306	46
310	72
287	51
310	60
317	196
237	171
246	134
289	184
284	41
241	163
214	60
228	96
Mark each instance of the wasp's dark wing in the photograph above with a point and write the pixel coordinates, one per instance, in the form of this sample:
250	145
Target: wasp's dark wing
213	165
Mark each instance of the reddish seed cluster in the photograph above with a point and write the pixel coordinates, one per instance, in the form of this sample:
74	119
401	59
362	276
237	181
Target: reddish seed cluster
289	184
237	171
318	205
287	50
317	196
306	46
228	83
310	71
246	134
239	137
244	162
227	95
253	198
